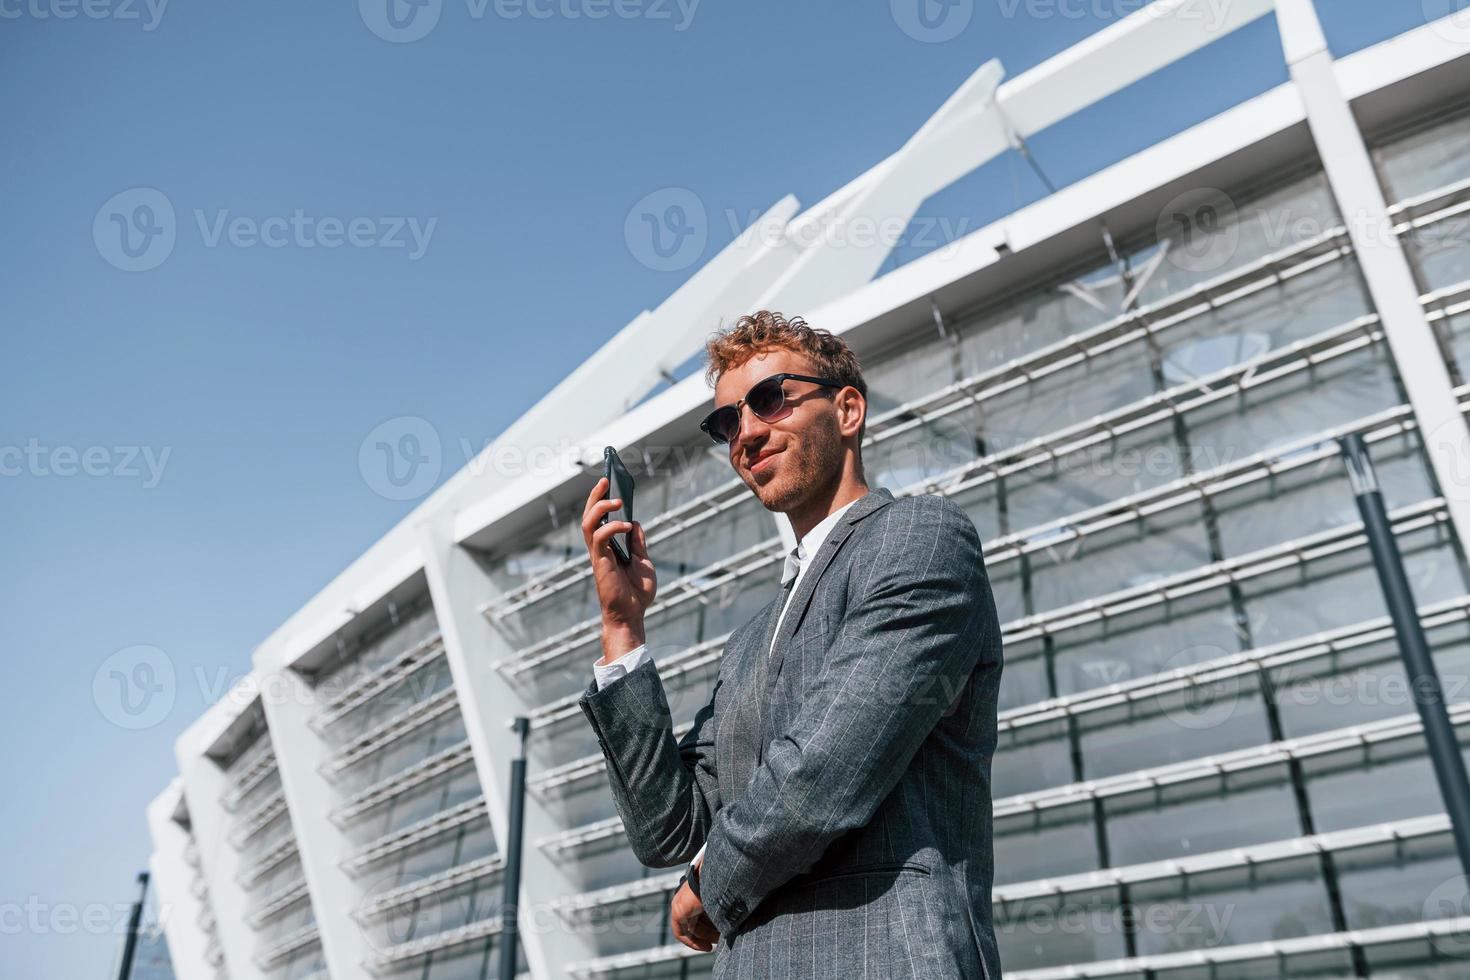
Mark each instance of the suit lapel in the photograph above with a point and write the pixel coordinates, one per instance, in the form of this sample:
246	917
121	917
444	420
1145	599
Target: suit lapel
771	664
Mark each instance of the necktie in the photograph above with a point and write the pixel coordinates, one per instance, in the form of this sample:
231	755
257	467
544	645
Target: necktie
793	566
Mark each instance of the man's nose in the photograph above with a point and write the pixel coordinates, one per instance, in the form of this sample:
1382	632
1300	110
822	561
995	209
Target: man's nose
750	428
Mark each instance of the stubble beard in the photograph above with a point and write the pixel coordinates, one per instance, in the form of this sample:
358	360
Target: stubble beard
805	471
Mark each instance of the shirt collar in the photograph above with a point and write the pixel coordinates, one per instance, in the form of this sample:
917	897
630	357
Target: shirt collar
797	557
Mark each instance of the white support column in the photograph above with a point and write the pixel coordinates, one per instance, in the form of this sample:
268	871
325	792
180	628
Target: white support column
204	786
1390	281
179	909
458	588
292	703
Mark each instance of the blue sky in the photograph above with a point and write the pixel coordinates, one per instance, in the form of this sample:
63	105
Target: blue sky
366	229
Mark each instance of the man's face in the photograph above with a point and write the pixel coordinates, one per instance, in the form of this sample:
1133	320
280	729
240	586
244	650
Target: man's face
785	461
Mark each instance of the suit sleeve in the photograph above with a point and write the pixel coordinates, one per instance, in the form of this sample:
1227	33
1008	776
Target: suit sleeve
666	791
919	619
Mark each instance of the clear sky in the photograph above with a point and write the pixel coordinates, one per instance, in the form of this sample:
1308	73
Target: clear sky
364	227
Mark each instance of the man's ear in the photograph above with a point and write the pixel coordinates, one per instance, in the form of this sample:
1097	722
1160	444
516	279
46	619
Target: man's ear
852	409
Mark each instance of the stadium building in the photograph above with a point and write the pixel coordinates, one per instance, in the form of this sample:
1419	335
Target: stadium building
1210	764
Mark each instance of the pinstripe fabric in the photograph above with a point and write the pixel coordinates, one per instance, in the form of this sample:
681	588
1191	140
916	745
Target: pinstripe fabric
841	785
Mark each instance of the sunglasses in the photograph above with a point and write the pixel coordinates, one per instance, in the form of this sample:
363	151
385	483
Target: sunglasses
767	401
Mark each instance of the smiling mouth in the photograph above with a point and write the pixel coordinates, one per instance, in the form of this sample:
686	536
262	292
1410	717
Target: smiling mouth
762	464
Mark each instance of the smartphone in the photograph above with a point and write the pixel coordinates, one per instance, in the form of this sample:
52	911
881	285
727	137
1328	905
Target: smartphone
619	486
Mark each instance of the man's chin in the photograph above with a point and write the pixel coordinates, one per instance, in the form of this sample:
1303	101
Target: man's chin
774	493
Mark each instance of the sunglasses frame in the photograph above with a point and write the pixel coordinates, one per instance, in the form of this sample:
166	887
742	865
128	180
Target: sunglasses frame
708	422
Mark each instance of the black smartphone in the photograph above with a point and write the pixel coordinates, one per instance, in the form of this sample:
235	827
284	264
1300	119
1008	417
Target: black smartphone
620	487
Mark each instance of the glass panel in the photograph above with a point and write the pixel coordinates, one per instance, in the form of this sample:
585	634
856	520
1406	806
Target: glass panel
1409	881
1253	806
1213	234
1426	160
1264	902
1045	843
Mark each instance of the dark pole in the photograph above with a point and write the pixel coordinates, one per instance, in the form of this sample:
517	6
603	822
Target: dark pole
512	849
1444	746
131	943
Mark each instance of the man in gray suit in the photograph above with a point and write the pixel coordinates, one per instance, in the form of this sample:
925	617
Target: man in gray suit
834	793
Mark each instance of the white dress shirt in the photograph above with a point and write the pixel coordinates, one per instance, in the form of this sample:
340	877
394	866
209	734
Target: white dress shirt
795	567
796	564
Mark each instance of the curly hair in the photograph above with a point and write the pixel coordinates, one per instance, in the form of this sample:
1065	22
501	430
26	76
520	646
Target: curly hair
765	330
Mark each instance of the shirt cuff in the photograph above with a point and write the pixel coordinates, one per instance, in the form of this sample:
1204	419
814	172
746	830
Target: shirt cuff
605	674
699	858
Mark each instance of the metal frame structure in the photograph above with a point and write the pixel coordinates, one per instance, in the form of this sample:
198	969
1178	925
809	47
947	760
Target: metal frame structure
439	550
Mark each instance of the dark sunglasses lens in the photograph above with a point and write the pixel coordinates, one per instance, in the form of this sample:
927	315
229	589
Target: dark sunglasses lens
766	399
722	423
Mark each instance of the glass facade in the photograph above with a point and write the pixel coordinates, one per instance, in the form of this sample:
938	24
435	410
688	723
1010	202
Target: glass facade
407	797
259	828
1210	761
1194	631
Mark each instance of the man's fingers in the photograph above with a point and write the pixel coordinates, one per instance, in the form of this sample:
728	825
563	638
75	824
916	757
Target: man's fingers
596	507
598	489
593	514
637	543
685	935
604	534
705	932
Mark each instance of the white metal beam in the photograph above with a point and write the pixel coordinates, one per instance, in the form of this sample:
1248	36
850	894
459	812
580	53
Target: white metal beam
179	909
290	705
204	784
1354	183
459	587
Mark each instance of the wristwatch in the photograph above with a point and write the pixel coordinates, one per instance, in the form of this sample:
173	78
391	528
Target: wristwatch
691	878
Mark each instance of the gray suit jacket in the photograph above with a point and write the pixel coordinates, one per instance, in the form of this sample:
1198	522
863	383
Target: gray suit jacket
842	784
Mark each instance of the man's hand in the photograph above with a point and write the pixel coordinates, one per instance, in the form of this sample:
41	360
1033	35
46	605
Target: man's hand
623	591
691	926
